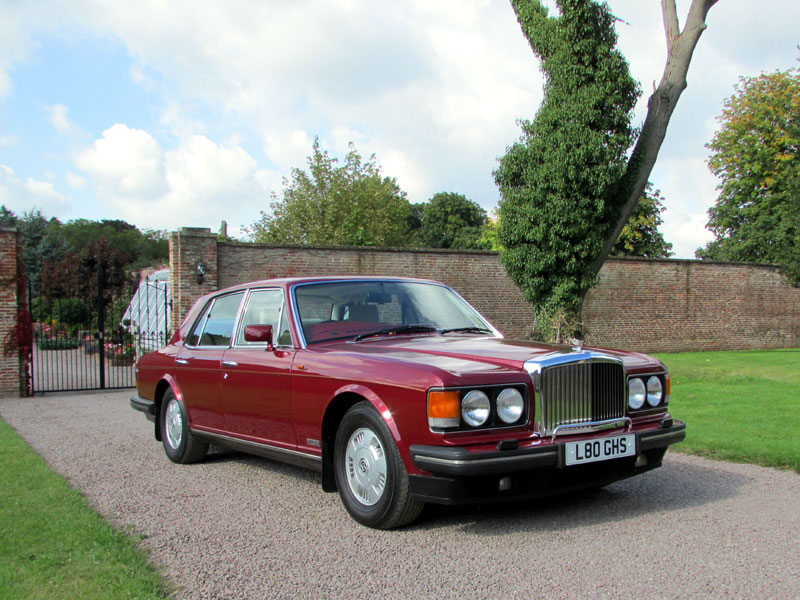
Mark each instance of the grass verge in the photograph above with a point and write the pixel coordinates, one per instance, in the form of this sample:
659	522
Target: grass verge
52	545
738	406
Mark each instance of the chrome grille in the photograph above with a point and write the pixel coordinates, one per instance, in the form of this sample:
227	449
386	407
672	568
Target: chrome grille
582	392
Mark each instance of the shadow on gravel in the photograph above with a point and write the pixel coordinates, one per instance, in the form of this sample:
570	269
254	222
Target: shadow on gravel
223	455
672	487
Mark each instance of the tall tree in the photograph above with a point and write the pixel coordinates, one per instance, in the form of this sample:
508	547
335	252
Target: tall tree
756	155
142	248
42	242
569	186
451	220
7	217
350	205
555	182
640	236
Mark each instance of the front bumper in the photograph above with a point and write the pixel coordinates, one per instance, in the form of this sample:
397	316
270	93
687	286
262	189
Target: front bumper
460	476
148	407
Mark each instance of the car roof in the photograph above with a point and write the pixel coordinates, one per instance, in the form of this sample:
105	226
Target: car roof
290	281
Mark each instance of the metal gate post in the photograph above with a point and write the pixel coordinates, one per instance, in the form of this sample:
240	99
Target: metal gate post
101	325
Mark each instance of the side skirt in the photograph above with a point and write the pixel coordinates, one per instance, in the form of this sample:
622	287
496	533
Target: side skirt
292	457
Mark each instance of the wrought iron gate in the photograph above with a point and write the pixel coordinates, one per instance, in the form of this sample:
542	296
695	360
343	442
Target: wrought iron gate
103	357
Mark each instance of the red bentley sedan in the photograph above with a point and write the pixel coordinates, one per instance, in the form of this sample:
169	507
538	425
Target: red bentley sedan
400	393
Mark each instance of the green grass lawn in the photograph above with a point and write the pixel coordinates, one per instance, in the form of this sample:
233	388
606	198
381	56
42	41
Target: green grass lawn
52	545
738	406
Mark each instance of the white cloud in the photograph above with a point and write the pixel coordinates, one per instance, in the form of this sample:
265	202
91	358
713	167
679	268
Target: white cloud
197	183
432	82
286	148
9	140
125	163
202	172
19	195
179	122
76	182
61	122
690	190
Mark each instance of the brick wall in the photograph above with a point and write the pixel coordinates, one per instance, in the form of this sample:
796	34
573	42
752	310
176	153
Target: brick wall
644	305
680	305
187	248
10	367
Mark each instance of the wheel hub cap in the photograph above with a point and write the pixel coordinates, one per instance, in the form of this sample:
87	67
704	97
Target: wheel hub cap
174	424
365	461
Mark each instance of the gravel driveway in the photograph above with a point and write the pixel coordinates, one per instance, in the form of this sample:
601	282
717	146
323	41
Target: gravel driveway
242	527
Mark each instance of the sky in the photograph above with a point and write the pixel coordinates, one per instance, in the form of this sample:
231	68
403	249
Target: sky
178	113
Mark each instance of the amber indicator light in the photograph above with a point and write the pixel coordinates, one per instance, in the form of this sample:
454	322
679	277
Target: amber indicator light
444	404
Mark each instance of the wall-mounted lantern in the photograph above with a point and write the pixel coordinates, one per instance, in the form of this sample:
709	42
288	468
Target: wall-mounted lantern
201	272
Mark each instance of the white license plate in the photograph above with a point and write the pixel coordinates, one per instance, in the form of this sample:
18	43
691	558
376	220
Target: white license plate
586	451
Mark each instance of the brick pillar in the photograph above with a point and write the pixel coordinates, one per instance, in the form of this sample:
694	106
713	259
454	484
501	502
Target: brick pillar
187	247
12	290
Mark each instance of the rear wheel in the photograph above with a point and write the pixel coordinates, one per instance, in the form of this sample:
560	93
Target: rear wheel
179	443
370	475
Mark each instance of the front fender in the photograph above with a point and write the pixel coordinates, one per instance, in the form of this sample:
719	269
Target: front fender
376	402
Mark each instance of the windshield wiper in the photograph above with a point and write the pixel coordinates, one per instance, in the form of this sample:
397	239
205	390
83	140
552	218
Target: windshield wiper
396	330
465	330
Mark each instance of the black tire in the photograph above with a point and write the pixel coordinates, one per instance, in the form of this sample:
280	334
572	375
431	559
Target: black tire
179	443
370	475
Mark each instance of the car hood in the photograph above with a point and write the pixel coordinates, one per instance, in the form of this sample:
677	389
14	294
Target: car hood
458	354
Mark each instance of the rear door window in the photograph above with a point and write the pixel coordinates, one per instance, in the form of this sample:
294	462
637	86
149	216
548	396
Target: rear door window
263	308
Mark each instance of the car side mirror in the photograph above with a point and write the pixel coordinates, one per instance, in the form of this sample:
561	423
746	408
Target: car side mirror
258	334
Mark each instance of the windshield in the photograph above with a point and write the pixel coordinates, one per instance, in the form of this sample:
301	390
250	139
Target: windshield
349	309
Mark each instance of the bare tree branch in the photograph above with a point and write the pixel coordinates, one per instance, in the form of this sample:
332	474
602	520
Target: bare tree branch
670	16
659	111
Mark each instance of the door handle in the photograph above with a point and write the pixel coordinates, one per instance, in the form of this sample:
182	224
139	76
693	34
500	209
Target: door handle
181	361
229	363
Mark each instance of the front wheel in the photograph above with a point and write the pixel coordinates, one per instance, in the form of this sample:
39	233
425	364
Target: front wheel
179	443
370	475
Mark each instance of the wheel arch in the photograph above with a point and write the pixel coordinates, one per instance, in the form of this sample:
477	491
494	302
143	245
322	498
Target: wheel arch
167	382
343	401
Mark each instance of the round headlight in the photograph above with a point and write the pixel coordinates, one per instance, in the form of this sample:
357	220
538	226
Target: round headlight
475	408
654	391
636	393
510	405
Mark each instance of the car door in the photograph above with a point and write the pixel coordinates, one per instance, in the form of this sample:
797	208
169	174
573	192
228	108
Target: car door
198	364
256	375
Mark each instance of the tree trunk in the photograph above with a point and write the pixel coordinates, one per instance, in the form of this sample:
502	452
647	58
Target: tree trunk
680	47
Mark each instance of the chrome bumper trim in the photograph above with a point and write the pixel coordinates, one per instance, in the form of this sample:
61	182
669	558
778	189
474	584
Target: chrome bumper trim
578	428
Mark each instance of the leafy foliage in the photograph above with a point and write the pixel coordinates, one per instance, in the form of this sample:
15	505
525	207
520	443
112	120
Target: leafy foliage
559	182
640	236
7	217
42	243
755	154
490	237
451	220
143	248
61	261
347	205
